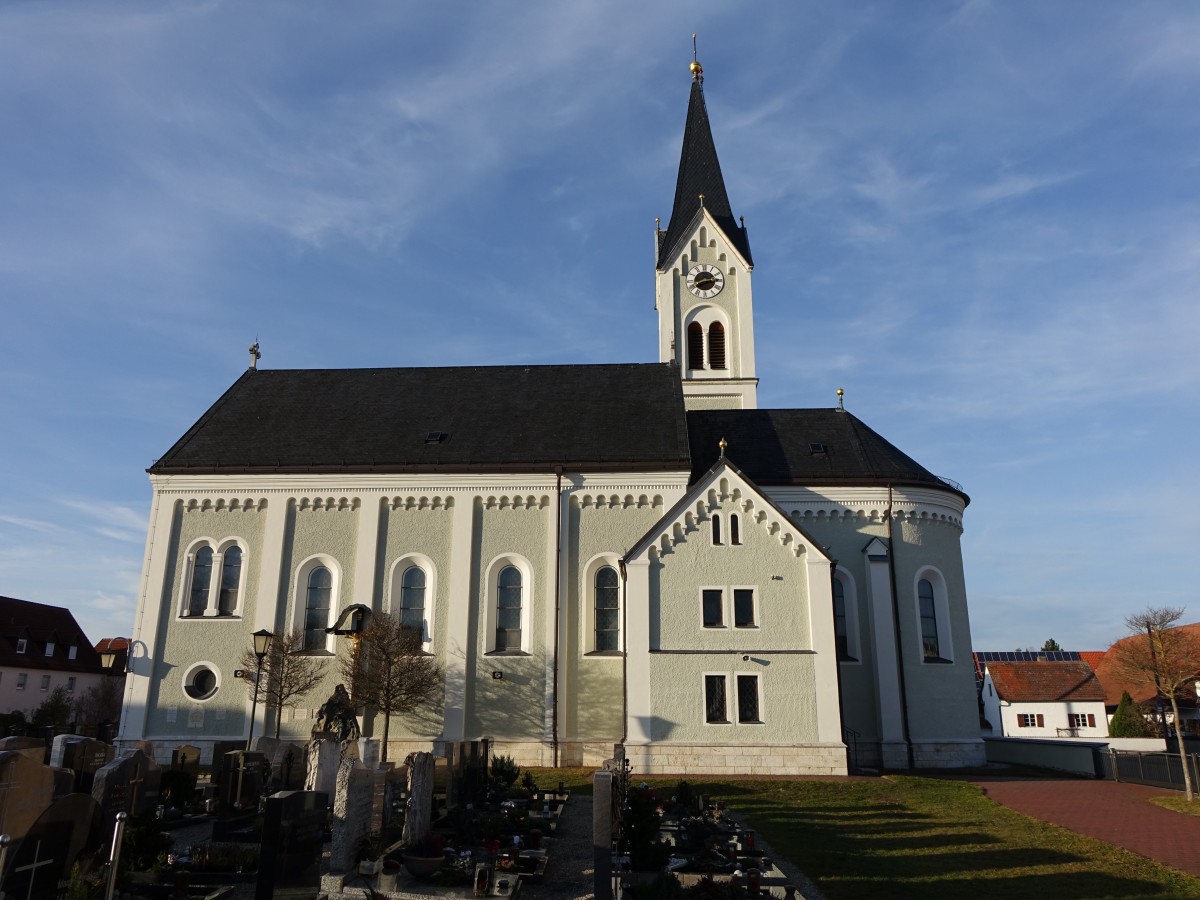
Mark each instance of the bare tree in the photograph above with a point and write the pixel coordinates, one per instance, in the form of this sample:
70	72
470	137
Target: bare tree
387	669
1161	654
101	703
288	673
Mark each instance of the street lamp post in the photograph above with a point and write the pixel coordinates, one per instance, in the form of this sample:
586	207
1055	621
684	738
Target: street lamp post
262	642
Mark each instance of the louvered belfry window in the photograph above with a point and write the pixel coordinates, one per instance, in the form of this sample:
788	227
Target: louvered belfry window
716	346
695	346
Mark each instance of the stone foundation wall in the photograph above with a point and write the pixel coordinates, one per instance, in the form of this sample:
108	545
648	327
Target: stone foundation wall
949	754
745	759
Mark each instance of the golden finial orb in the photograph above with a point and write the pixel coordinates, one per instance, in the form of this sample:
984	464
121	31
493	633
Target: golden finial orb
695	68
722	444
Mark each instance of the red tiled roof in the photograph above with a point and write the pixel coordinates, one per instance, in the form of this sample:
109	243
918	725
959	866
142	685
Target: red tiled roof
1092	657
1045	681
1114	684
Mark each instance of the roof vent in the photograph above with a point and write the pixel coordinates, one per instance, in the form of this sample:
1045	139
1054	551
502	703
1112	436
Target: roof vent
817	449
437	437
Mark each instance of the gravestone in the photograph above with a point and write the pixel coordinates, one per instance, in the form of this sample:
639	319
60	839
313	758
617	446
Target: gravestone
420	796
58	745
32	747
26	791
324	759
468	772
351	814
85	757
220	748
66	832
286	759
186	758
292	839
129	784
602	835
241	783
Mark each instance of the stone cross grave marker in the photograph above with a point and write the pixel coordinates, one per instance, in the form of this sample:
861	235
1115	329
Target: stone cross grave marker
85	757
129	784
66	832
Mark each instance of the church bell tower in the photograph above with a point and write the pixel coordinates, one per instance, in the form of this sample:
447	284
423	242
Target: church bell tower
702	285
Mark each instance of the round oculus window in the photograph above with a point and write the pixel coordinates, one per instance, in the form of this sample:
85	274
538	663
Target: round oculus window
200	683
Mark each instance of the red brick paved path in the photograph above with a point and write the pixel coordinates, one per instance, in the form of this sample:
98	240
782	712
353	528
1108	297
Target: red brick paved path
1116	813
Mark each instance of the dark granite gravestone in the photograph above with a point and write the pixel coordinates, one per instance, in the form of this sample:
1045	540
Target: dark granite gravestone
67	832
241	783
220	748
85	757
26	791
186	758
292	839
130	784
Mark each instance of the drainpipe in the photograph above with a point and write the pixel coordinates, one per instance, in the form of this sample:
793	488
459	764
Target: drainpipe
624	652
896	625
558	472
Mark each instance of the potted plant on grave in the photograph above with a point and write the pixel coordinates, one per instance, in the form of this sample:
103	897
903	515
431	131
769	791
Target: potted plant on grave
370	852
426	856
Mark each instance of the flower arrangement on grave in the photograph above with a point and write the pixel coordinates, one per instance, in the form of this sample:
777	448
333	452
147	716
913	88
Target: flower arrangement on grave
640	822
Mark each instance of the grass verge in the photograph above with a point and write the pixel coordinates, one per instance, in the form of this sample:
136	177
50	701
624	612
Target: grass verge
1178	804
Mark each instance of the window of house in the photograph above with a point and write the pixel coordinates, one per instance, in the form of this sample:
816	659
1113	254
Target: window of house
743	608
201	578
735	529
231	579
316	608
412	598
607	610
713	602
508	609
747	699
72	651
695	346
715	702
49	648
1030	720
71	684
930	645
45	682
840	631
717	539
1082	720
716	346
22	677
22	645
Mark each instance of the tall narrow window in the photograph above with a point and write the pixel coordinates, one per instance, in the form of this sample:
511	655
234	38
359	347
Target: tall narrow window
747	698
45	682
49	648
743	608
840	631
201	577
71	684
22	677
715	705
316	608
508	609
412	599
735	529
717	539
695	346
716	346
22	644
231	580
607	610
713	602
929	626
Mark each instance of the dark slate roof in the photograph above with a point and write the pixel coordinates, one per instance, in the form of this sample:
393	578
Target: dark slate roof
699	173
493	418
39	624
776	447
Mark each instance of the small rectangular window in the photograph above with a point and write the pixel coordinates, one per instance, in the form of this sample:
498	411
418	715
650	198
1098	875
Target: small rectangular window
71	651
747	688
714	699
714	608
49	648
22	677
743	608
45	682
22	645
71	684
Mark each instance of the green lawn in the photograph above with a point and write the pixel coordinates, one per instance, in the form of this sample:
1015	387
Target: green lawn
905	837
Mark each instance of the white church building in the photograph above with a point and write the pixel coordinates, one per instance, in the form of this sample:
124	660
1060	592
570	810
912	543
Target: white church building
597	554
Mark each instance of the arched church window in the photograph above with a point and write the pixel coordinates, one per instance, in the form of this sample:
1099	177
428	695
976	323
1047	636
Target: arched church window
412	598
735	529
607	610
695	346
316	608
716	528
231	579
716	346
201	578
508	609
930	645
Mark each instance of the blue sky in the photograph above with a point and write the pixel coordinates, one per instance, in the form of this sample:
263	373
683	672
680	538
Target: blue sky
982	220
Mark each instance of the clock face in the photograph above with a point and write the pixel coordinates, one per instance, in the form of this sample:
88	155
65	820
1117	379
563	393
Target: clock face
705	281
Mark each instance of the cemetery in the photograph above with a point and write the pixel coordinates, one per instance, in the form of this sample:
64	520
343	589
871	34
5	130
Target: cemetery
329	819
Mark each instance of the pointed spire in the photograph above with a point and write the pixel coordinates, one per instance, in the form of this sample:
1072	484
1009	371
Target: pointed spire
700	182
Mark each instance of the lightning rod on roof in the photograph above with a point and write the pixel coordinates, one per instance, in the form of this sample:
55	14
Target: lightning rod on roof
255	356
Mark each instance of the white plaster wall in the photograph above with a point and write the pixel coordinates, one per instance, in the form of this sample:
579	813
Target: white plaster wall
1055	716
29	699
